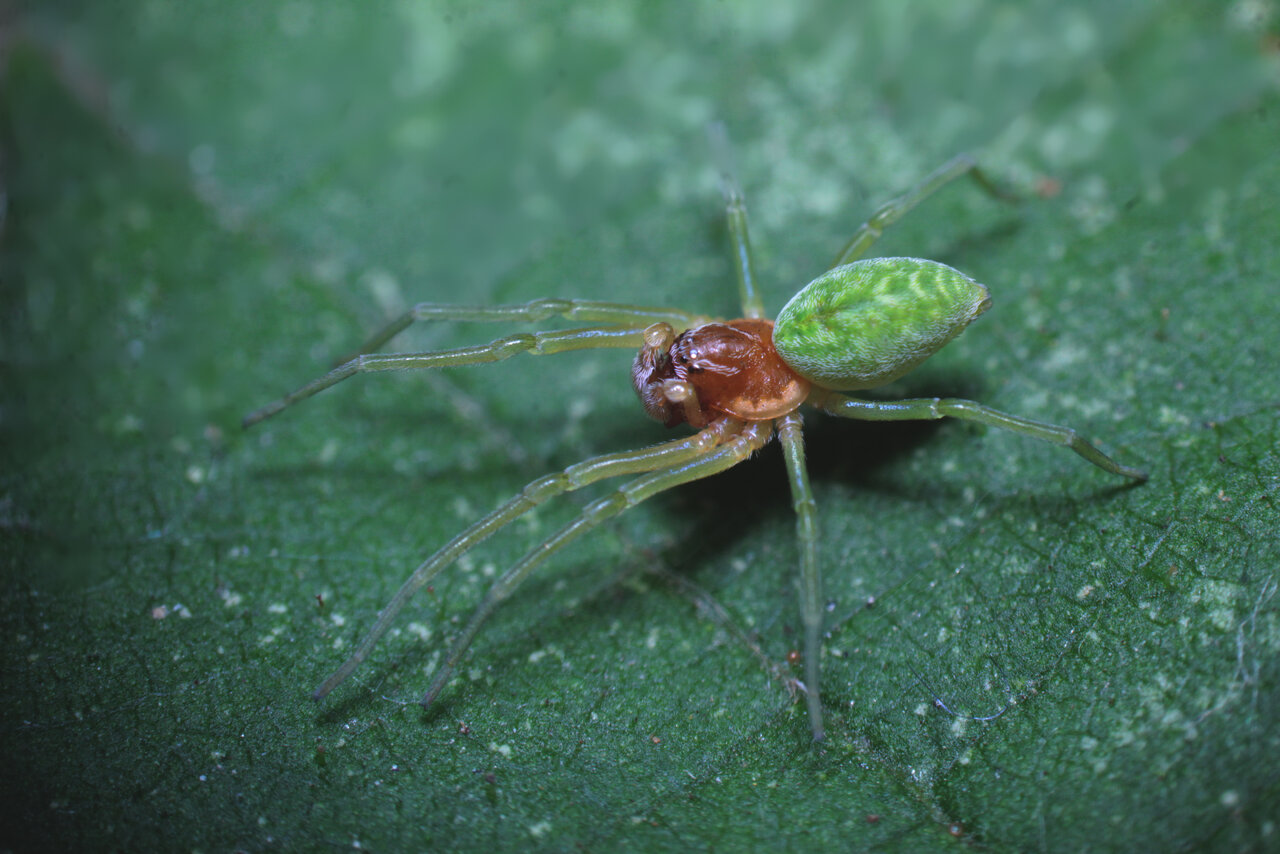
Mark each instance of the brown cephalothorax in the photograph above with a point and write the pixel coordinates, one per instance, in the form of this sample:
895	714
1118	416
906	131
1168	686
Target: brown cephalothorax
714	370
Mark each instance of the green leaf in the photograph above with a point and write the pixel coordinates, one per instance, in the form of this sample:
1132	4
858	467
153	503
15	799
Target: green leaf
208	202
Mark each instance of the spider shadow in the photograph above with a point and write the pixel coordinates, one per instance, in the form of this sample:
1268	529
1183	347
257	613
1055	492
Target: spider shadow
719	509
712	514
849	453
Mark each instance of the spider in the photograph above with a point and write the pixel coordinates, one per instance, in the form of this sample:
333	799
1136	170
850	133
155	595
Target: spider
738	383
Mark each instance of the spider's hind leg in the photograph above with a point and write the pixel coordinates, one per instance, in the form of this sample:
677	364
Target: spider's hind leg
893	210
933	408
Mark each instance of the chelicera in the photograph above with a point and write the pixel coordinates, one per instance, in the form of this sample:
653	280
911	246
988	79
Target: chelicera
738	383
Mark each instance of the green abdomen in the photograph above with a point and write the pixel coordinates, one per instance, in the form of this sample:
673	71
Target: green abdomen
864	324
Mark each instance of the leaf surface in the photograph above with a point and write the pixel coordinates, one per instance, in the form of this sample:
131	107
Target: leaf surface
208	202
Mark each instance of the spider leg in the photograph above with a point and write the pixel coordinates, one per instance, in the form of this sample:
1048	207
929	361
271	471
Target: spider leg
733	450
930	408
736	213
536	343
536	311
576	476
792	438
892	211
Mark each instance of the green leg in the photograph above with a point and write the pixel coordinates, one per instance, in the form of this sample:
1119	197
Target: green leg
792	438
537	343
576	476
734	450
932	408
534	312
736	213
892	211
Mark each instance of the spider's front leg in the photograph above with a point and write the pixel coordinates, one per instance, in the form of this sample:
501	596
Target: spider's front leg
536	343
665	456
536	311
735	448
623	327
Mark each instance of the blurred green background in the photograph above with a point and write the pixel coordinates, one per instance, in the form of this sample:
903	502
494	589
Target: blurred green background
206	202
